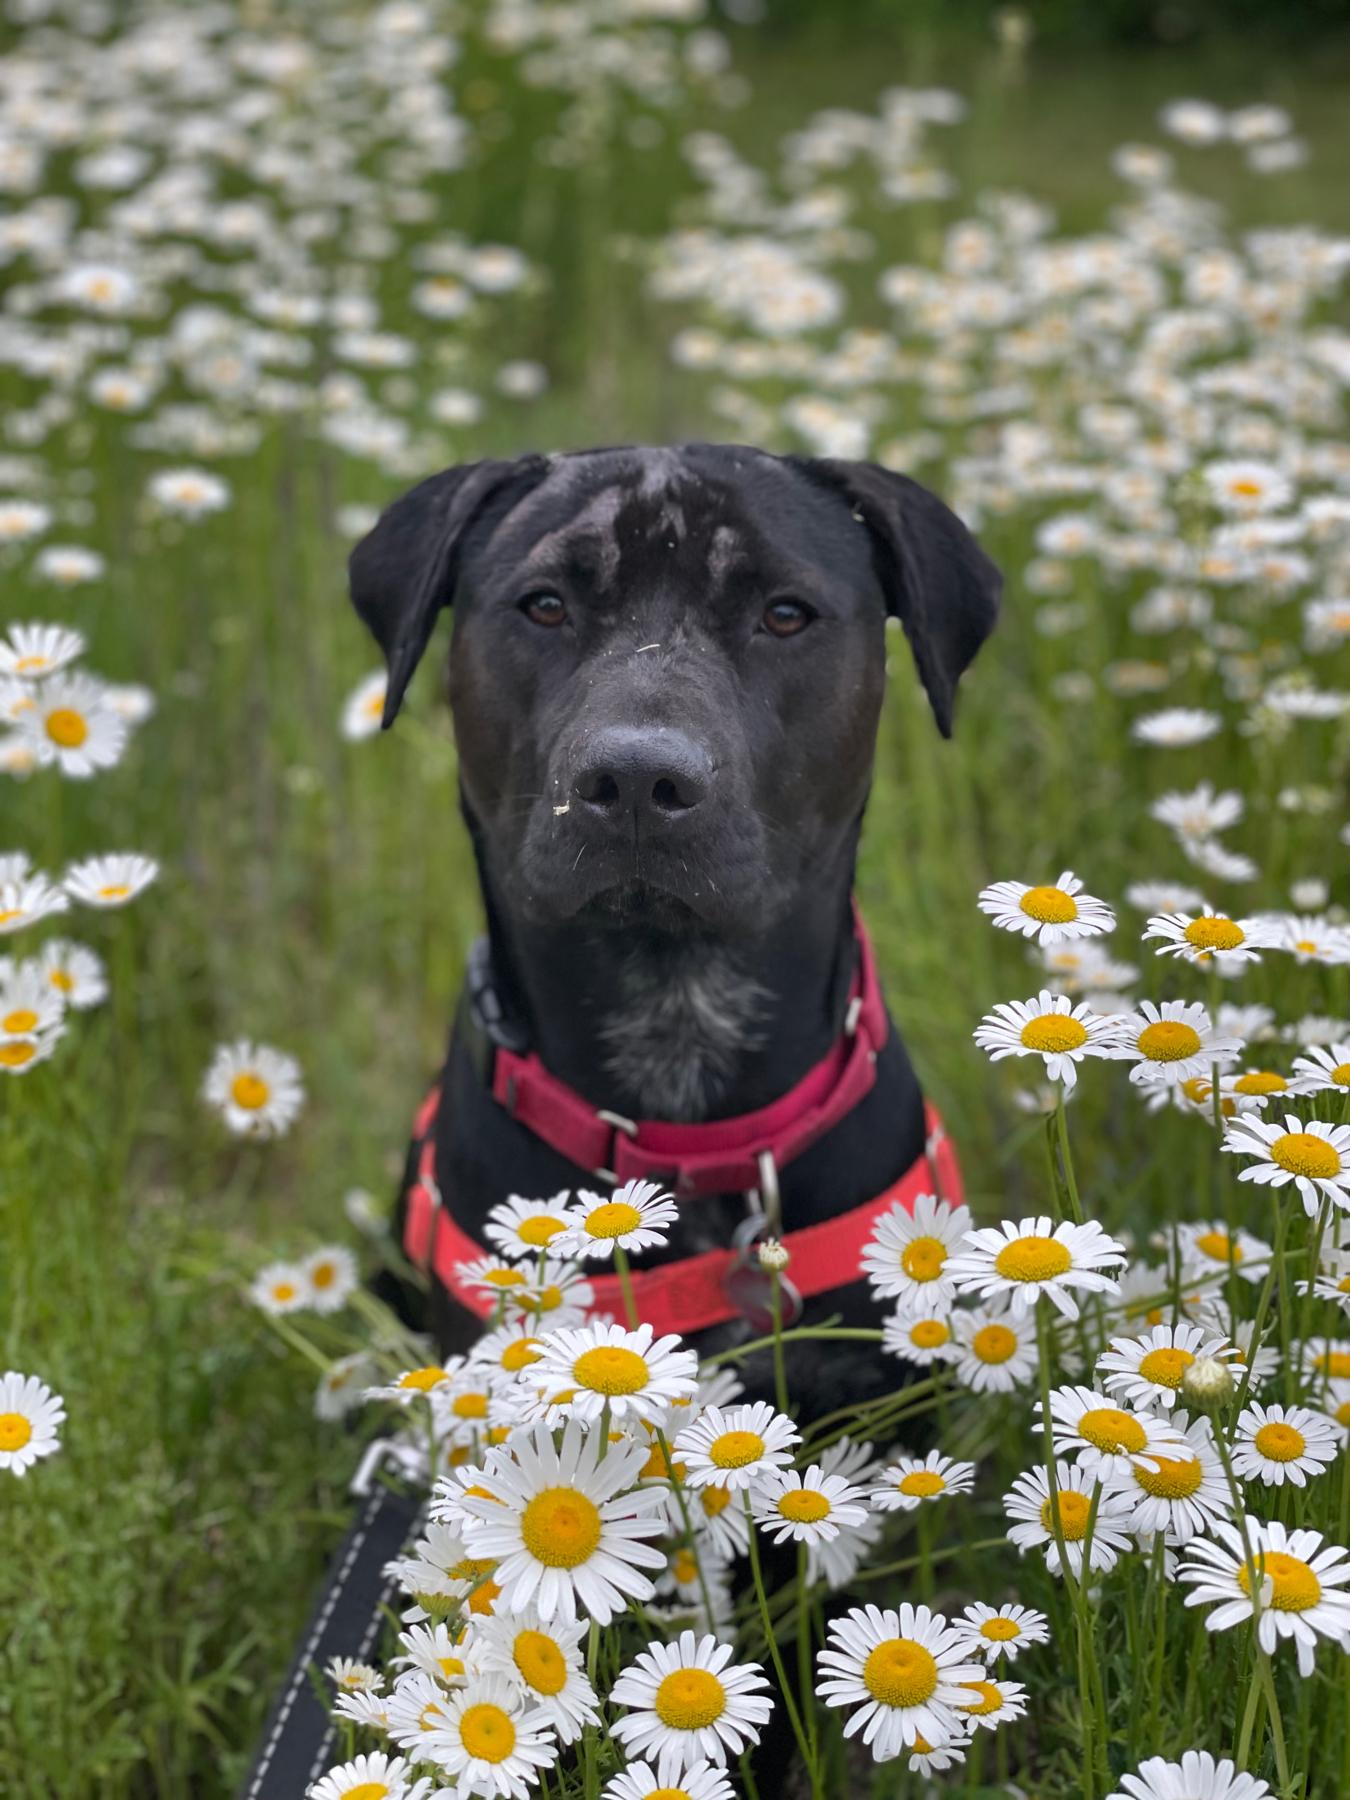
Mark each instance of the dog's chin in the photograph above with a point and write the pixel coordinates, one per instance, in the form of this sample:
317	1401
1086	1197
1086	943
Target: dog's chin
643	904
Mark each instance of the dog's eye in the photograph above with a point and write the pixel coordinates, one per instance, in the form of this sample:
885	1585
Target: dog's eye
785	618
544	609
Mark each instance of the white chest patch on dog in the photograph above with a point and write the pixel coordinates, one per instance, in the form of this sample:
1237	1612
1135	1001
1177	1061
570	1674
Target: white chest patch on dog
682	1031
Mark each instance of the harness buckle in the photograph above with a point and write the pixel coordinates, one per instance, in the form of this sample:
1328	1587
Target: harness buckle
404	1458
853	1014
627	1126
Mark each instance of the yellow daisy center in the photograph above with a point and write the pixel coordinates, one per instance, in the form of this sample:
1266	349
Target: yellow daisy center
689	1700
610	1369
1342	1413
900	1672
15	1431
1219	1246
470	1406
734	1449
14	1055
1048	905
993	1343
24	1019
1033	1259
115	890
1214	934
539	1229
1260	1081
249	1091
541	1663
283	1290
548	1299
1165	1368
367	1790
561	1527
1169	1040
714	1500
487	1732
929	1334
684	1567
1245	488
1295	1587
502	1277
60	979
1281	1443
1110	1429
804	1506
1054	1032
923	1258
922	1484
1341	1074
67	728
1073	1509
615	1219
1307	945
1304	1153
1000	1631
990	1698
323	1275
657	1468
520	1355
26	665
8	914
1335	1363
422	1381
668	1794
1176	1478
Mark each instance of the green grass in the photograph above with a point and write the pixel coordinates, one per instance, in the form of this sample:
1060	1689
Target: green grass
320	896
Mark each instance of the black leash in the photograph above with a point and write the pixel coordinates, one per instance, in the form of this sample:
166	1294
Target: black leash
300	1735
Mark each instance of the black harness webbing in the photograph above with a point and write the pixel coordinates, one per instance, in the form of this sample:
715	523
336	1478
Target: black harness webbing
300	1735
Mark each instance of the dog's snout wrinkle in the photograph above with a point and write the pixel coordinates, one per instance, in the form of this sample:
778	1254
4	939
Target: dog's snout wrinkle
648	776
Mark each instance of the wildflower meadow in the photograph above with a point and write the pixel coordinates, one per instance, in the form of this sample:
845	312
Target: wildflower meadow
262	268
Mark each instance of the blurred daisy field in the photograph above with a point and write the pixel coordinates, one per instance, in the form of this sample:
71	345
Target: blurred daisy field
263	268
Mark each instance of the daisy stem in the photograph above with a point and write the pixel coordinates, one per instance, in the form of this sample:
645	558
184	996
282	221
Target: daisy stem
1267	1676
779	1361
624	1274
1085	1700
794	1717
592	1661
1262	1307
682	1502
909	1563
298	1342
804	1648
1066	1156
1159	1572
1318	1231
738	1351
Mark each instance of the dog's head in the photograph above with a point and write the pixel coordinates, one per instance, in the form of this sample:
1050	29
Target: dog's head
668	664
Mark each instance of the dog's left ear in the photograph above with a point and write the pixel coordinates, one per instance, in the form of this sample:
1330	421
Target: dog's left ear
405	568
936	579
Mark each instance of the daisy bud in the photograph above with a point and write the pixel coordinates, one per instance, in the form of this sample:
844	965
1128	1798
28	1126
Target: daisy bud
773	1256
1208	1384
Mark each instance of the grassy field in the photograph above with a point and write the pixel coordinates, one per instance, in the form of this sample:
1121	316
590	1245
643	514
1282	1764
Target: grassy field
317	894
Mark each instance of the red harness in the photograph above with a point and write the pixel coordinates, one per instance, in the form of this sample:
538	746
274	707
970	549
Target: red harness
721	1156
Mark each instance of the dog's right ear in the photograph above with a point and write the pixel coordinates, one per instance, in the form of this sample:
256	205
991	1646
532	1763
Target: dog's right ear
406	567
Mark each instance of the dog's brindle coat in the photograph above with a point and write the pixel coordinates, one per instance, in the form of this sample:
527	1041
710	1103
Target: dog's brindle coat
666	674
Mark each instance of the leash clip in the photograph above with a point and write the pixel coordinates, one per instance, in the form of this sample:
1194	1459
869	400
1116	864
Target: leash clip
403	1458
616	1122
747	1284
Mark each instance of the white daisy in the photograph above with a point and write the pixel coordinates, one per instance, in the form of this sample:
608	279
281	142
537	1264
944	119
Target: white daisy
1172	1041
1276	1444
29	1004
1048	914
1175	727
30	1419
256	1090
922	1338
1106	1439
1050	1026
77	974
1325	1359
1325	1069
565	1524
32	652
906	1256
1196	1777
440	1652
1314	1155
1027	1258
71	725
1247	486
341	1387
491	1741
548	1292
1028	1505
595	1367
996	1348
22	519
640	1781
347	1672
108	881
902	1670
736	1447
993	1703
546	1658
689	1703
994	1631
509	1348
330	1276
630	1219
1147	1371
1182	1493
191	493
1199	938
280	1288
438	1568
931	1759
527	1227
68	565
20	1055
718	1518
807	1508
363	709
377	1776
1313	940
416	1708
1300	1574
905	1484
1209	1249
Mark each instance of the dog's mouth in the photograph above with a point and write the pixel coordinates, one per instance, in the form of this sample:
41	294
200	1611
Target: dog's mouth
641	902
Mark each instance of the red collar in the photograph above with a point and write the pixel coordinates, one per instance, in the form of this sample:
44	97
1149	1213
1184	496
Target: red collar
695	1292
723	1155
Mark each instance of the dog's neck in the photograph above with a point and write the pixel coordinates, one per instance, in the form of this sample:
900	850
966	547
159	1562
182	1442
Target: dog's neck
678	1026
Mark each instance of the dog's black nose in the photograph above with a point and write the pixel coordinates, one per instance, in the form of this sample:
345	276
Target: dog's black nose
651	774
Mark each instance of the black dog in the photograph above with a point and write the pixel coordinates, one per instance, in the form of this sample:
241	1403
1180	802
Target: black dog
666	674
